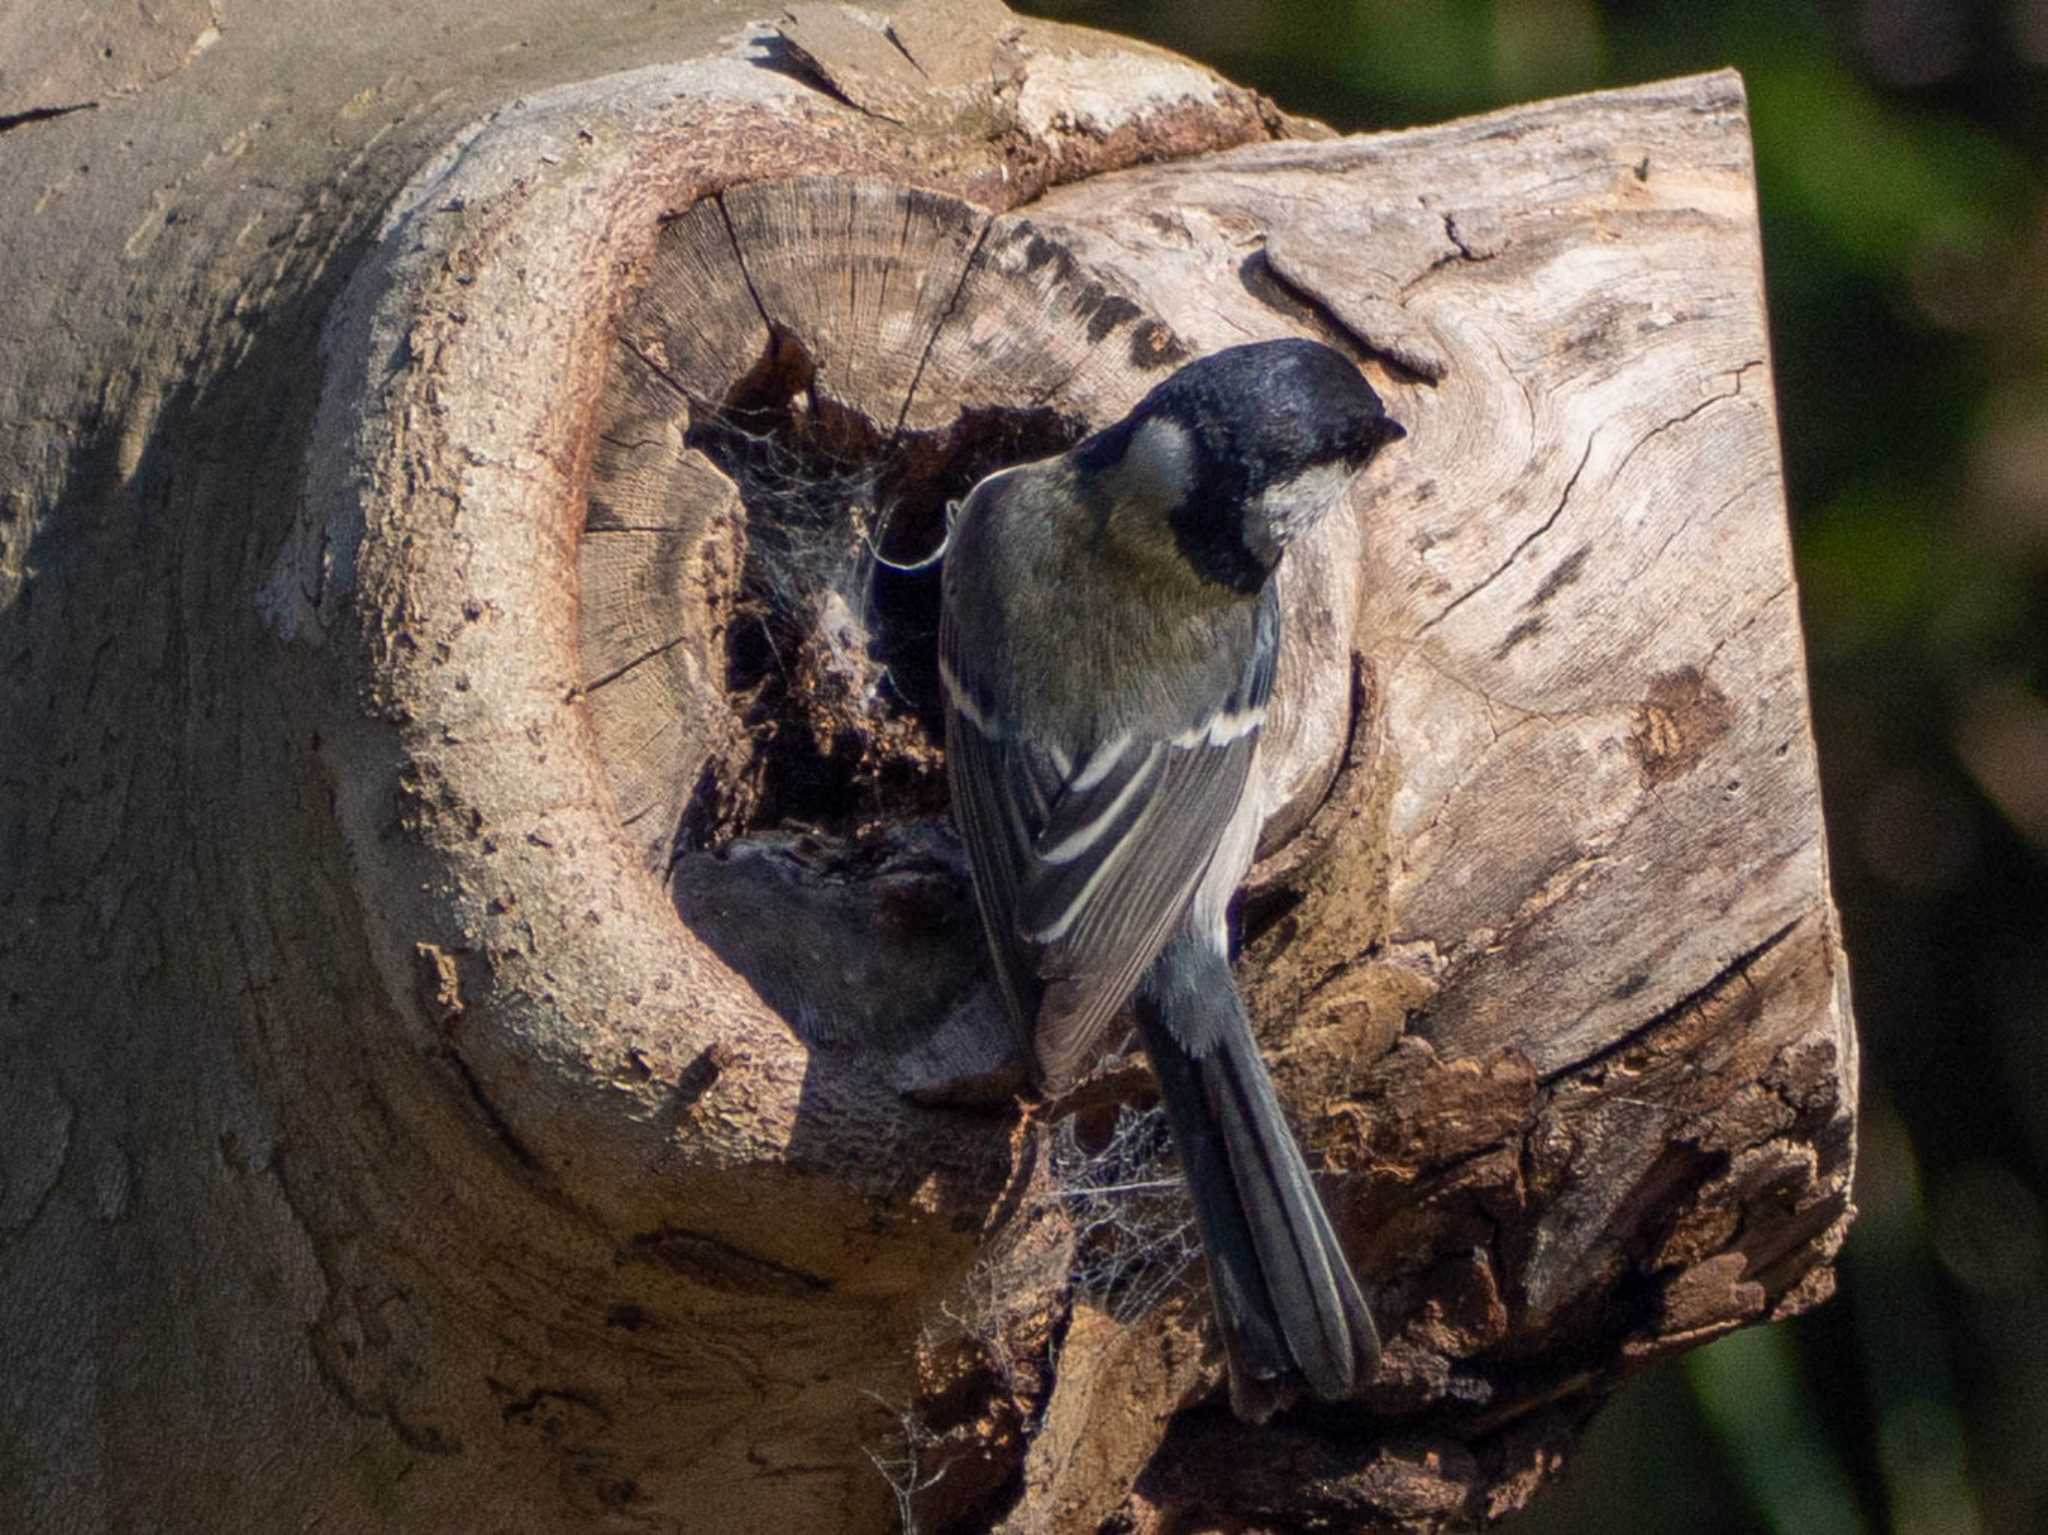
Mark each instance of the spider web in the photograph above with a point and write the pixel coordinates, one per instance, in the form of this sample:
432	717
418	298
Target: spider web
1134	1225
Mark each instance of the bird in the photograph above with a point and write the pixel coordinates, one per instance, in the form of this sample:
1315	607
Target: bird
1109	630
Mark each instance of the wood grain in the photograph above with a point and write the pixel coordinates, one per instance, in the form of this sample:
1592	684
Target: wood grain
1544	943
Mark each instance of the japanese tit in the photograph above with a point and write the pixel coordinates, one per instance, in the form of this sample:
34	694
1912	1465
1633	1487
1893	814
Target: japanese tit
1107	646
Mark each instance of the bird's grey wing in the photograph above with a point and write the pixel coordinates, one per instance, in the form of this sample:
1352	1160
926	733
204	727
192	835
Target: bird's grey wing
1081	869
998	807
1084	862
1111	874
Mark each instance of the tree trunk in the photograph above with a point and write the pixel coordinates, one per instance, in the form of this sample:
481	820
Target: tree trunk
494	1031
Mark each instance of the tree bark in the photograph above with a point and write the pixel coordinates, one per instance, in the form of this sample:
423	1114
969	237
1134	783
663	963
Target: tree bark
494	1032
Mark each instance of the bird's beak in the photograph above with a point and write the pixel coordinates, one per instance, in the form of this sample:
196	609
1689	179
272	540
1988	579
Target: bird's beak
1372	438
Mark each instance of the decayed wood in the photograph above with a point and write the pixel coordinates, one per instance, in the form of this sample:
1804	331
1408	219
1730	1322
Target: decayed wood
1581	867
1553	976
539	1054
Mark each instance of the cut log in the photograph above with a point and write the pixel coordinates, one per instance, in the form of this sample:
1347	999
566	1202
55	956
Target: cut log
565	1050
1548	967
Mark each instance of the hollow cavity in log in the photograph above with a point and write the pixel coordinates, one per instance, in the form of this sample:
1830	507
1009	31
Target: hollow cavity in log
811	371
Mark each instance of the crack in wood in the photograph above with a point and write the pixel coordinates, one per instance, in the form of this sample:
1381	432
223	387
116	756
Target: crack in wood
1461	253
619	671
722	1264
1764	605
1514	554
12	120
967	270
1529	627
682	391
739	257
1684	416
1465	251
493	1117
1735	969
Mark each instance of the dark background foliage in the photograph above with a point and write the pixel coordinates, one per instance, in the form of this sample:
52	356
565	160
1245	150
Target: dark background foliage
1900	147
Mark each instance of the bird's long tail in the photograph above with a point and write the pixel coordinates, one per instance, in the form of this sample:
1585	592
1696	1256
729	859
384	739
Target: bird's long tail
1286	1301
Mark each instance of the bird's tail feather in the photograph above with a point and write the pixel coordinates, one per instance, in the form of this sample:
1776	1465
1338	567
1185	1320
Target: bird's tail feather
1286	1301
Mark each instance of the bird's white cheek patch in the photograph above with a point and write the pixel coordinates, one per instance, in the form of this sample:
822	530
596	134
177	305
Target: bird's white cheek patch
1278	516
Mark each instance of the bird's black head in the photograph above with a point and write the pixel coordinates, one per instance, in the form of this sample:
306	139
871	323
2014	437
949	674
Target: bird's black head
1264	438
